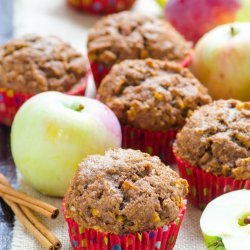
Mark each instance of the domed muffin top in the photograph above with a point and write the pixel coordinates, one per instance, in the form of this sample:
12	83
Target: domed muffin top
216	138
33	64
152	94
129	35
124	191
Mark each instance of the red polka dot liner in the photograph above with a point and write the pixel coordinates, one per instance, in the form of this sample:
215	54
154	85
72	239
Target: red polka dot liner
99	7
100	70
10	101
163	238
152	142
204	187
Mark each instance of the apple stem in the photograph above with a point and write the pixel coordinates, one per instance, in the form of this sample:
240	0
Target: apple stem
247	220
79	108
233	31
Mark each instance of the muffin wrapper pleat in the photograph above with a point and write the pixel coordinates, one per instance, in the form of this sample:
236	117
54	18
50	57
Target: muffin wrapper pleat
152	142
100	70
97	7
163	238
11	101
203	186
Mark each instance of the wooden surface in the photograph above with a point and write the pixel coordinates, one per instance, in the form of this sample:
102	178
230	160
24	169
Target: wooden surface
8	169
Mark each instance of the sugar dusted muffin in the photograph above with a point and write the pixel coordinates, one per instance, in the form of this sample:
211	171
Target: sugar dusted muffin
130	35
34	64
124	192
216	141
151	98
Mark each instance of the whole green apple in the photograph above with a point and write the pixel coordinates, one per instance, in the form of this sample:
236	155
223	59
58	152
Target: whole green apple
51	134
221	61
225	222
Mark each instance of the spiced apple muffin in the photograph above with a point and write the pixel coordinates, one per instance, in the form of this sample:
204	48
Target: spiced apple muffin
151	97
34	64
124	192
130	35
214	145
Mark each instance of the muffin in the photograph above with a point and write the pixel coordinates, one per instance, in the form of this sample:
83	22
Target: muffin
129	35
107	193
151	99
213	150
34	64
98	7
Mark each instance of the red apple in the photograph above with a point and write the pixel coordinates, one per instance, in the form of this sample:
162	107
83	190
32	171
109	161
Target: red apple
193	18
221	61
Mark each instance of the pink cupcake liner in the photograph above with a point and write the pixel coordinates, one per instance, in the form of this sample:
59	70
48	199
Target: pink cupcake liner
152	142
203	186
97	7
10	101
163	238
100	70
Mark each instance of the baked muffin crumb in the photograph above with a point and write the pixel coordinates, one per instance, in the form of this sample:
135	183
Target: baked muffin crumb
129	35
152	94
124	191
216	138
33	64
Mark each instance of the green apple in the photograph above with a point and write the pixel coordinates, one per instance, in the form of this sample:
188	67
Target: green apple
221	61
52	132
243	12
162	3
225	222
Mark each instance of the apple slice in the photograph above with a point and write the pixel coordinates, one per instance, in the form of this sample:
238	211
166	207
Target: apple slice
225	222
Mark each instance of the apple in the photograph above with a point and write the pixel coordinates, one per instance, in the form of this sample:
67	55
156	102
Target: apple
243	13
225	222
221	61
162	3
51	134
193	18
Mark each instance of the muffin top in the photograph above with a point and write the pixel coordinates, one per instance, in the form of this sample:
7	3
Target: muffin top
216	138
33	64
129	35
108	192
152	94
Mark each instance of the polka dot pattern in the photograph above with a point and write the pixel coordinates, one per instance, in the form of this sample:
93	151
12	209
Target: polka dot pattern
10	102
101	6
205	187
89	239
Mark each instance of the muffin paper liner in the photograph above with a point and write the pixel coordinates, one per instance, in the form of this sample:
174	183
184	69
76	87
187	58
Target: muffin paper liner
163	238
11	101
152	142
97	7
100	70
204	186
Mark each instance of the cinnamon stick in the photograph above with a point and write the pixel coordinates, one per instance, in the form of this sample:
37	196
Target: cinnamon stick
29	226
22	211
44	230
23	199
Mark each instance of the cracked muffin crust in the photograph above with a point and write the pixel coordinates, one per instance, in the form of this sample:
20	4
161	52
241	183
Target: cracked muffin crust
33	64
129	35
152	94
216	138
108	192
